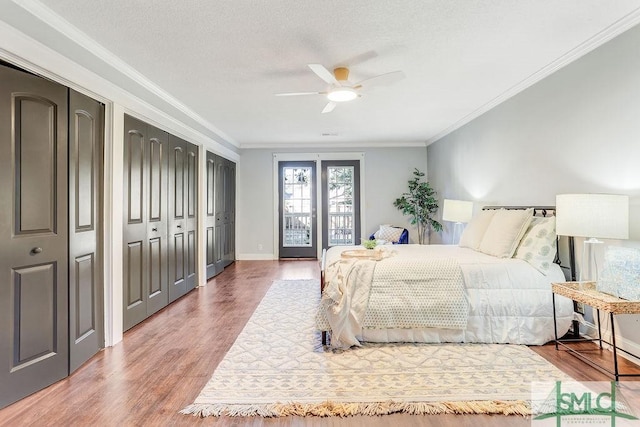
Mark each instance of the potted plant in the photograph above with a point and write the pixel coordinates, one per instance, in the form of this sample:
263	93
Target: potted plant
421	204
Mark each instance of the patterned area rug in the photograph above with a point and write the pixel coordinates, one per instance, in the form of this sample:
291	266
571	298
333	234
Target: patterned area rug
278	367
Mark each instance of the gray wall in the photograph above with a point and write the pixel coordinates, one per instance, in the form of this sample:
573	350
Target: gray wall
578	131
386	172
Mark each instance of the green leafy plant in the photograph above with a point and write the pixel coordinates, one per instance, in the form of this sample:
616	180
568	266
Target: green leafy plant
369	244
421	204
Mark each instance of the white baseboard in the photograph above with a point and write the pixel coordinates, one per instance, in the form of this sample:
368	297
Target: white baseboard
255	257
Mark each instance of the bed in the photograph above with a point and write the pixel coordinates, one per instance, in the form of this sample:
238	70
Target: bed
495	287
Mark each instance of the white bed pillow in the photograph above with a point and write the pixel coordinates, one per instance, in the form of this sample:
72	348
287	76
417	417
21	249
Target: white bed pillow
505	231
388	233
538	245
474	231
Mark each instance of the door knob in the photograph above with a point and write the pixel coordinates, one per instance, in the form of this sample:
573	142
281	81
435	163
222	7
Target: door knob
36	251
154	229
179	226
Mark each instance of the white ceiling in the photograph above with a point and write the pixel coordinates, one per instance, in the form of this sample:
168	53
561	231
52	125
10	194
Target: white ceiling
225	59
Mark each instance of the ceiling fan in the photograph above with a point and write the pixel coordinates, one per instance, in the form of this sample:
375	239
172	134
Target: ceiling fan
340	89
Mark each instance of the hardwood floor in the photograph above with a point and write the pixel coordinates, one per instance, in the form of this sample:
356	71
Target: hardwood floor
163	363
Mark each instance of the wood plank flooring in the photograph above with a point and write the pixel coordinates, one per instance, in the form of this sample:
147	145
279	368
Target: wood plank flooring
163	363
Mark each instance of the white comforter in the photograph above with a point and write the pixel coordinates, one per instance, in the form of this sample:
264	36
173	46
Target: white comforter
509	301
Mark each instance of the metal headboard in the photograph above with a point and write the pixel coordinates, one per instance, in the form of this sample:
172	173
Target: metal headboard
537	210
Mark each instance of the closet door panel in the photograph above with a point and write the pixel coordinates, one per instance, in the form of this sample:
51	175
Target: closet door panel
135	142
155	197
155	267
134	268
192	250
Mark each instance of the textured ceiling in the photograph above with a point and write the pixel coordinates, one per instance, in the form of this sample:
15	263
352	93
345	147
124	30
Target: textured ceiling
226	59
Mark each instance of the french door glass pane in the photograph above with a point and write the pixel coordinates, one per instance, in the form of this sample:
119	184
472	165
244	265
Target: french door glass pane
297	207
341	226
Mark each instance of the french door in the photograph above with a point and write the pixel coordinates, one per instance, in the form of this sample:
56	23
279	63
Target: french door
340	203
297	209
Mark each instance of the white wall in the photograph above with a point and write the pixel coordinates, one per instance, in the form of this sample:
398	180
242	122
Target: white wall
386	172
578	131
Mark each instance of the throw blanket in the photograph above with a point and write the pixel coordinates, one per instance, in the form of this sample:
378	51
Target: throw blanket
344	299
411	293
391	293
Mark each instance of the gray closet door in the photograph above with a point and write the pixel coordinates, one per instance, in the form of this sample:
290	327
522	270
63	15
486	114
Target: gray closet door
135	228
177	196
145	230
34	345
210	219
220	227
86	322
229	254
183	202
158	295
192	214
220	220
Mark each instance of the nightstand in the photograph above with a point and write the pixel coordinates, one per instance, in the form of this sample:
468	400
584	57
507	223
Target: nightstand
586	293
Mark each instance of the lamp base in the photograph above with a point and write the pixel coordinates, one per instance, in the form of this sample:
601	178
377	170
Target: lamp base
589	265
457	232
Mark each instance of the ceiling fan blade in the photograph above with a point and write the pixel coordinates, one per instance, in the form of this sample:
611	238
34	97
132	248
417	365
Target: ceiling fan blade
329	107
323	73
381	80
360	58
300	93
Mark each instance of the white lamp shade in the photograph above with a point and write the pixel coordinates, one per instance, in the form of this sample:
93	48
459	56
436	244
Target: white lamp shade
457	210
604	216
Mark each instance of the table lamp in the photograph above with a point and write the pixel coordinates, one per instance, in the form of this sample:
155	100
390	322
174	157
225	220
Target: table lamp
459	212
592	216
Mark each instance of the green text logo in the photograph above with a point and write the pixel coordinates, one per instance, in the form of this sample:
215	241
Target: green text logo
584	400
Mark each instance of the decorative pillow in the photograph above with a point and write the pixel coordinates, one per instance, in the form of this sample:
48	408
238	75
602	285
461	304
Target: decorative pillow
388	233
474	231
538	245
505	231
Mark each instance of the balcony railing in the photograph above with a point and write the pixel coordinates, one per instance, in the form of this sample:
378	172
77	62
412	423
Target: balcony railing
297	229
340	230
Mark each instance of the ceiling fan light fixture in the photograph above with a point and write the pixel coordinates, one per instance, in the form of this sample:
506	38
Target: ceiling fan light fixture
342	94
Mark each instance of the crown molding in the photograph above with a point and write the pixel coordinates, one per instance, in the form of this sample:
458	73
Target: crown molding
64	27
612	31
333	144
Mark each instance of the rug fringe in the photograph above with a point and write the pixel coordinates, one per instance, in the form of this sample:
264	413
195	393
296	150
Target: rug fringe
336	409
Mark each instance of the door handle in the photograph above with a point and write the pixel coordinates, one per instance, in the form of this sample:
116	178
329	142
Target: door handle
154	229
35	251
179	226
